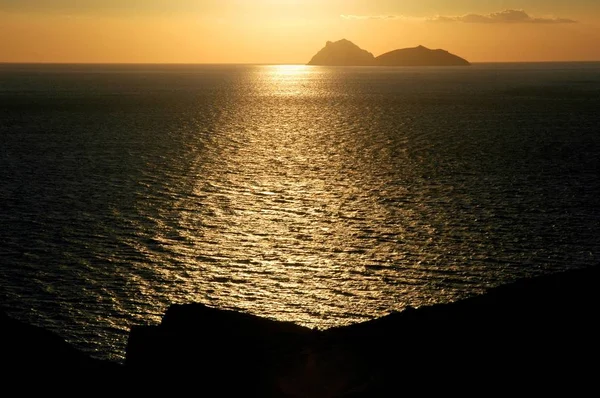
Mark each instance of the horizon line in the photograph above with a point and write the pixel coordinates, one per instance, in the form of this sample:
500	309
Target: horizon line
261	63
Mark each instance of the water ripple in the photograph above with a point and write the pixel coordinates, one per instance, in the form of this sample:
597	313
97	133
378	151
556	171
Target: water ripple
323	196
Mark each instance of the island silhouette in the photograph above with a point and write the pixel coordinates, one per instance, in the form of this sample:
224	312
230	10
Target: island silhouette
345	53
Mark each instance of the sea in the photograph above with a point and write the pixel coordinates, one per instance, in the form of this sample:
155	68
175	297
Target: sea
324	196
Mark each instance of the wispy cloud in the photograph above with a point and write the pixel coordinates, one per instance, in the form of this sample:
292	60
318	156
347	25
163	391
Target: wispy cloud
506	16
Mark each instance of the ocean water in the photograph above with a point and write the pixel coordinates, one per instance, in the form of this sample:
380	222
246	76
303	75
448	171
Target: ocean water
323	196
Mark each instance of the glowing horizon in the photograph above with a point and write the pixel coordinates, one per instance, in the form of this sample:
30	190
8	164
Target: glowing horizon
279	32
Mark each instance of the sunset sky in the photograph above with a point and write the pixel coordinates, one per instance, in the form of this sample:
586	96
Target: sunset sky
291	31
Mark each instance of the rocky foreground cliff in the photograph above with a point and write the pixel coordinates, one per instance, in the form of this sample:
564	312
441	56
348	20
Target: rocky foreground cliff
530	337
346	53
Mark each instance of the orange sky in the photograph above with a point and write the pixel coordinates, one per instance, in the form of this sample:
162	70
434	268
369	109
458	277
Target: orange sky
291	31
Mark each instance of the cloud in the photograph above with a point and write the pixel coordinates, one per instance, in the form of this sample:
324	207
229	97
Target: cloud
506	16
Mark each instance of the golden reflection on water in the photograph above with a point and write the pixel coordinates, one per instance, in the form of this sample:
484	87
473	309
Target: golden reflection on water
289	70
288	80
284	218
266	212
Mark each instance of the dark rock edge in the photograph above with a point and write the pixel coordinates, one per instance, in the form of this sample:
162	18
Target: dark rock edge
535	335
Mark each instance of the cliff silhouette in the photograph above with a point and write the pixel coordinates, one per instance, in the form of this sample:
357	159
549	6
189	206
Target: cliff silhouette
346	53
533	336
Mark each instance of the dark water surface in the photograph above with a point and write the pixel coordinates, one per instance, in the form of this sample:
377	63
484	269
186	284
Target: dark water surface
324	196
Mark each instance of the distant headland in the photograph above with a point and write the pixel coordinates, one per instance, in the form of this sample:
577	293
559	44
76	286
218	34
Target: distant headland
346	53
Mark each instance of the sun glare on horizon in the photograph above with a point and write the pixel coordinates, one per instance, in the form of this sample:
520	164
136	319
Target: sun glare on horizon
288	79
289	69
